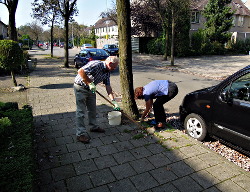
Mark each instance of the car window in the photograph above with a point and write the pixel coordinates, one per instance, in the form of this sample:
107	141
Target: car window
240	88
83	53
112	46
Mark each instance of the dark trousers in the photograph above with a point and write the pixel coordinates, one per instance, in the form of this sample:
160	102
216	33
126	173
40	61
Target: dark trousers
159	110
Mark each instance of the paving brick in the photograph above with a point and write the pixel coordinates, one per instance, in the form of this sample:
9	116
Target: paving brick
155	149
122	185
222	171
85	166
105	161
163	175
196	163
123	157
64	140
79	183
75	146
107	149
123	145
69	158
205	179
140	152
141	165
165	188
180	169
54	186
159	160
187	184
144	181
242	180
63	172
229	185
103	188
102	177
89	153
109	139
123	171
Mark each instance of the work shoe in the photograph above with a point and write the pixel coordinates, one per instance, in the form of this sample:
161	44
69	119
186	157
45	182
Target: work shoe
160	125
97	129
83	138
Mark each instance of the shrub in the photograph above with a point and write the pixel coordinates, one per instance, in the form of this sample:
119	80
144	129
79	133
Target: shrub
11	55
16	149
156	46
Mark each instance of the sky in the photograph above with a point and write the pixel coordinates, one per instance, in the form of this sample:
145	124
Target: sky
89	11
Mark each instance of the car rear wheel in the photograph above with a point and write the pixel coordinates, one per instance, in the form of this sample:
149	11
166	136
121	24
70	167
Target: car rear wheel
195	126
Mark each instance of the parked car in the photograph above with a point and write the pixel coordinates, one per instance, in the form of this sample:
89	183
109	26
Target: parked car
61	45
70	45
112	49
221	111
87	55
86	46
40	44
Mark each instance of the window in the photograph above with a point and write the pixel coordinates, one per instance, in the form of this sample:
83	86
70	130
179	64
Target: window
240	89
241	21
234	20
195	17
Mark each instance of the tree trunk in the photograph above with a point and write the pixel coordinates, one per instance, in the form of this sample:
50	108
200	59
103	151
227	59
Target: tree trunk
165	56
125	57
172	40
13	78
66	45
12	6
51	39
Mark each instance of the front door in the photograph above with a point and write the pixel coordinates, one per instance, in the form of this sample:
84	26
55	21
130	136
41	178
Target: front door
232	118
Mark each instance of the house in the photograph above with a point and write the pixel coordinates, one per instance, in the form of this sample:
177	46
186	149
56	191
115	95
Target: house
241	18
3	31
107	31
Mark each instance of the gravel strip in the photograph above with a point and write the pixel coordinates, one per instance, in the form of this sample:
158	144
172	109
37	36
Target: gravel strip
230	154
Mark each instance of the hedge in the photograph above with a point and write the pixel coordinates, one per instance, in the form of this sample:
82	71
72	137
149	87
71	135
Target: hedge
16	148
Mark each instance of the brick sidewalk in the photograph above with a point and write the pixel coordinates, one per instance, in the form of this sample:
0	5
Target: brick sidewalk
124	158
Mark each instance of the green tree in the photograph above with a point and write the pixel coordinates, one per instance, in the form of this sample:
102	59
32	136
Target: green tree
125	57
11	57
11	6
219	17
48	13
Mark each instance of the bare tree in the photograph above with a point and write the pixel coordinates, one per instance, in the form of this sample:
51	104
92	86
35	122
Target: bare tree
67	9
125	57
11	6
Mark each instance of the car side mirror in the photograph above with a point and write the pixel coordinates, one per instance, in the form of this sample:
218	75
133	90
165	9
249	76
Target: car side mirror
77	55
226	97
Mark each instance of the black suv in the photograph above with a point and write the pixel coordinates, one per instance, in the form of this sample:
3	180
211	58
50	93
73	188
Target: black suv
223	111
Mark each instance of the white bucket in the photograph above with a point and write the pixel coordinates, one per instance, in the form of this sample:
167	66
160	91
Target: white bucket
115	117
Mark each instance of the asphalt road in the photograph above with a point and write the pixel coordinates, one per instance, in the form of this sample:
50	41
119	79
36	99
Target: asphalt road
188	73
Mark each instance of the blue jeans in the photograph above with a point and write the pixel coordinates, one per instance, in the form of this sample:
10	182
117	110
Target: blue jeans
85	105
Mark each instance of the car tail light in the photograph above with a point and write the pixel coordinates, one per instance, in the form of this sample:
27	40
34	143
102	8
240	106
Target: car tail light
91	59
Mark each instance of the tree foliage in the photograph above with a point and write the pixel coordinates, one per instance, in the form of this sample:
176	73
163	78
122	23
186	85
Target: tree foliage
144	18
11	57
219	17
34	30
11	6
48	13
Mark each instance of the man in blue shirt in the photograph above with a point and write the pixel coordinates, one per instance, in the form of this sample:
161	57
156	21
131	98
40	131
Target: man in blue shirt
88	77
160	90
